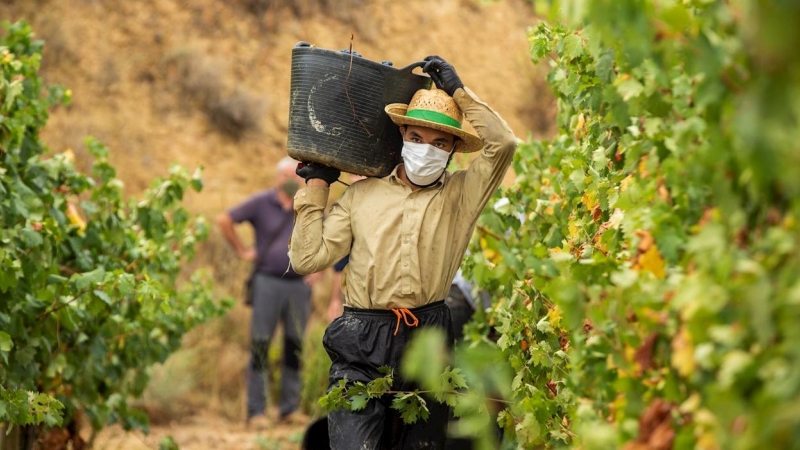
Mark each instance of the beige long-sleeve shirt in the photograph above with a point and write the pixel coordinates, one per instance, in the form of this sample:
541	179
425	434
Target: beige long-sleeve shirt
405	246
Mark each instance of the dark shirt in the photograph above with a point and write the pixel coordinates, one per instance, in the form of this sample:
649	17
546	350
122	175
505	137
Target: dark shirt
339	266
273	229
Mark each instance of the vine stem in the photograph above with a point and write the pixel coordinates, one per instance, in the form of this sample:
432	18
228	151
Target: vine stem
507	402
485	230
52	310
125	335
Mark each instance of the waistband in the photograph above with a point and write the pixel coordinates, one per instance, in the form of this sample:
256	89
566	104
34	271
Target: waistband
390	312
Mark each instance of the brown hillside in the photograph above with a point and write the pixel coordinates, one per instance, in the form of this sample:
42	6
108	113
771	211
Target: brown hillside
206	83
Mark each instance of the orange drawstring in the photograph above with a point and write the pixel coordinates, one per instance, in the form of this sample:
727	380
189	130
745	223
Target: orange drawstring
403	313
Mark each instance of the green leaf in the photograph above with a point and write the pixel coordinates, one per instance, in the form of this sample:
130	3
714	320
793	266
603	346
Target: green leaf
453	379
380	386
86	279
425	358
358	402
102	295
168	443
677	16
31	238
6	344
544	325
529	429
126	284
572	46
25	355
13	90
629	88
411	406
55	279
197	180
57	365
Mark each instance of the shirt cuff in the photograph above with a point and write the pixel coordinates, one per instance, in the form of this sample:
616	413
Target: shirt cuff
464	97
311	195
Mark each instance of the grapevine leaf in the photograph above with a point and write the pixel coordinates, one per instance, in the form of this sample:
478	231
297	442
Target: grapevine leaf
127	284
572	46
411	406
6	344
358	402
629	88
86	279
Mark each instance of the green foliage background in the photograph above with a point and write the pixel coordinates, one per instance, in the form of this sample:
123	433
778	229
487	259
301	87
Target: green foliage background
89	291
645	259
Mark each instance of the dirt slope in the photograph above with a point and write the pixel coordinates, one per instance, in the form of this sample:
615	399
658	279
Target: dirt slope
206	432
154	79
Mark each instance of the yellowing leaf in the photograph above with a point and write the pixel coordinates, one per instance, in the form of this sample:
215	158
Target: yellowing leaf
573	230
788	222
651	261
489	253
683	353
75	217
691	404
610	364
629	353
554	315
589	201
623	185
580	127
706	422
707	441
643	167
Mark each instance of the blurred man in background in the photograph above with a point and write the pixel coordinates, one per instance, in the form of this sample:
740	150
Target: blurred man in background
276	293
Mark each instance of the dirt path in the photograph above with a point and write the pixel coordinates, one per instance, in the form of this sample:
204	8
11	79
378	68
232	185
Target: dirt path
207	432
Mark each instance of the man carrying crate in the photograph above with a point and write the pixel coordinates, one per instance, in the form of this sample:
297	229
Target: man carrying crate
406	234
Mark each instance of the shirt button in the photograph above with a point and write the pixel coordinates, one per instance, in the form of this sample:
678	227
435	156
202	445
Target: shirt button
405	264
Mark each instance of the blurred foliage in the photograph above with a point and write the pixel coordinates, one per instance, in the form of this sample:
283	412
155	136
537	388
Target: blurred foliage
314	373
89	292
645	259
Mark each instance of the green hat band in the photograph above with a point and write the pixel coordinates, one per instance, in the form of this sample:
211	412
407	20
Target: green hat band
433	116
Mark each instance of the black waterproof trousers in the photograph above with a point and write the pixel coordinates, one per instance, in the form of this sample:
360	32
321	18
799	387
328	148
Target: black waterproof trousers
358	343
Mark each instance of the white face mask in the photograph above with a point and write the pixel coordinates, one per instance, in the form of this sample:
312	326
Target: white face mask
424	163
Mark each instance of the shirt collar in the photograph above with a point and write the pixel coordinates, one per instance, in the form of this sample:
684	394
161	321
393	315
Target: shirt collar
395	178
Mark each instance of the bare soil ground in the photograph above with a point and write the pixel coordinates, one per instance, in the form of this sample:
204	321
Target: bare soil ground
207	432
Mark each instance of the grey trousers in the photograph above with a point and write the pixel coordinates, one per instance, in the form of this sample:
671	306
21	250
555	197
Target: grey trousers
276	300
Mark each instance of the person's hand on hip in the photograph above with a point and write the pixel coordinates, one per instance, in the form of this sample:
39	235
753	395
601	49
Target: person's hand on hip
248	254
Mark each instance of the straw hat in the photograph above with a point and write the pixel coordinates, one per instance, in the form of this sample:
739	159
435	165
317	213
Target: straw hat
433	108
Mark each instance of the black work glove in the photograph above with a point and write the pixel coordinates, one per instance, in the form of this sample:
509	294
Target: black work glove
313	170
443	74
